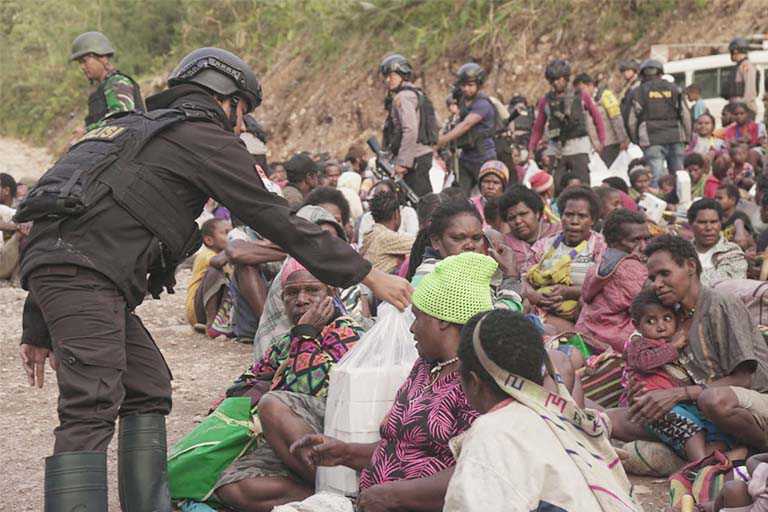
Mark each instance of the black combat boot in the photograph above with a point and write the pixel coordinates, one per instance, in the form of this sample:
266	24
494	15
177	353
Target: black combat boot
76	481
142	472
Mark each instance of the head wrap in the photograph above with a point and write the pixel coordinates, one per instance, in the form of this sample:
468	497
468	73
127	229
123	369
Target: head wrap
496	168
582	434
541	182
290	267
457	289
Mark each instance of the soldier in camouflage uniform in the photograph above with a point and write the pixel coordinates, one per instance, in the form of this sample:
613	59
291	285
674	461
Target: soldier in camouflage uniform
116	92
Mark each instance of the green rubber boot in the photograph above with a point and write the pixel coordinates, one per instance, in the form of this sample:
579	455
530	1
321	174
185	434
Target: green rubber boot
76	482
141	461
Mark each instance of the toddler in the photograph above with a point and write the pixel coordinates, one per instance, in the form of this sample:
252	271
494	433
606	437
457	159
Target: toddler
652	356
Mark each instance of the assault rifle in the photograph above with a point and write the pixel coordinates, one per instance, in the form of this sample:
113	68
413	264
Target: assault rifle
384	170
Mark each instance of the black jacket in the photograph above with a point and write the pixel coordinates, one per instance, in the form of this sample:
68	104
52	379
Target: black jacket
196	160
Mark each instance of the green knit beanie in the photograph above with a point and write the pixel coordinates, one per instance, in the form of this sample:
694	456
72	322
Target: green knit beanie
458	288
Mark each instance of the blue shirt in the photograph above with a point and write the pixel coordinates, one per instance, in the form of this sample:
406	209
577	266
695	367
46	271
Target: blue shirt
485	149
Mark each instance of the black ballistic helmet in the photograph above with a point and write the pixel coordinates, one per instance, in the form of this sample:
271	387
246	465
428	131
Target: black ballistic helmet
396	63
471	72
651	67
557	69
629	64
738	44
220	71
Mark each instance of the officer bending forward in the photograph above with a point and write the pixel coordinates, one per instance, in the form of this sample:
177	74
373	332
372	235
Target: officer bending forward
119	206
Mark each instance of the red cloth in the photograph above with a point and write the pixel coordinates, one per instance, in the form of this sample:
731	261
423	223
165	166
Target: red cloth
627	202
710	186
541	119
605	301
749	133
646	359
523	250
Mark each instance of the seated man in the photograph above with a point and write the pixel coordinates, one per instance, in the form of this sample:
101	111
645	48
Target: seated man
207	291
725	355
410	467
297	366
384	246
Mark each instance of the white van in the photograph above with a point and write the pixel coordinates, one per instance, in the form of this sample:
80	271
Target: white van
707	72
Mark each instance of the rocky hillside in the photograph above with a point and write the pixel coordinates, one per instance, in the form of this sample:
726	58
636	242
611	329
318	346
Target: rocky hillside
318	59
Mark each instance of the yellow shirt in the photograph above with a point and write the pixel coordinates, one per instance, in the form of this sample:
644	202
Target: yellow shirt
201	264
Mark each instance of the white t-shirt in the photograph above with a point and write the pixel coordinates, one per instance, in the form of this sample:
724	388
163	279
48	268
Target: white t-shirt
705	258
510	460
6	215
409	222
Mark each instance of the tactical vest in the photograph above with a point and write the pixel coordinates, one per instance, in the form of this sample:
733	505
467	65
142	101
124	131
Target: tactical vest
103	163
660	103
730	87
392	136
472	138
565	116
97	101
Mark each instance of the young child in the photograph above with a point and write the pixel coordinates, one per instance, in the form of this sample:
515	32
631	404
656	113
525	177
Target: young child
668	191
743	171
698	169
640	177
722	172
652	356
693	94
704	141
740	496
208	304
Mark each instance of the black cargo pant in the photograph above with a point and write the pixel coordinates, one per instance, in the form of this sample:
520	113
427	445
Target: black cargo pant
573	164
418	177
109	365
468	172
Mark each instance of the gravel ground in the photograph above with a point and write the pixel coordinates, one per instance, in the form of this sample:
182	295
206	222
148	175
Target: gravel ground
202	369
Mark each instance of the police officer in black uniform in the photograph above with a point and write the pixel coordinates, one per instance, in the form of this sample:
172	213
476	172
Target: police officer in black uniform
407	125
121	206
659	121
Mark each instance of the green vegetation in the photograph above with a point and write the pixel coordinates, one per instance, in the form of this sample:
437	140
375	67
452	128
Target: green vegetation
40	88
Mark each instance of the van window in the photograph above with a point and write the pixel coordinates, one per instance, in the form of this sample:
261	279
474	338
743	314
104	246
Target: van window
679	79
709	82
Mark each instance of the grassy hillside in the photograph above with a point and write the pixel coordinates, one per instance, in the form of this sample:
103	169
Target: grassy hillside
318	58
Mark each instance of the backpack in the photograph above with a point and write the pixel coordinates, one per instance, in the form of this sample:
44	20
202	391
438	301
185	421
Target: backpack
429	129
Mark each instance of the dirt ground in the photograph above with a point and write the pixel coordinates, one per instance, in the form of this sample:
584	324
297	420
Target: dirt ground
202	369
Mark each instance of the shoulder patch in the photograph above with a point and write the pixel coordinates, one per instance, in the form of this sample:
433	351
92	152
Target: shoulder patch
102	133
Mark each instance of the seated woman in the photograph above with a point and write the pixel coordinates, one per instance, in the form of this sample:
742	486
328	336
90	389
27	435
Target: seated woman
274	321
409	468
719	258
703	142
561	261
610	286
744	129
724	354
297	366
492	180
530	449
523	210
456	228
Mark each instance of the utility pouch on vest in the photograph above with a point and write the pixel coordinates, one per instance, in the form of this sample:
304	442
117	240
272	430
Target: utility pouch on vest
103	162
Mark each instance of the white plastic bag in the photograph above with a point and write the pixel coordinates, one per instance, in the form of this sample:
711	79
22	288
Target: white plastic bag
598	171
362	388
